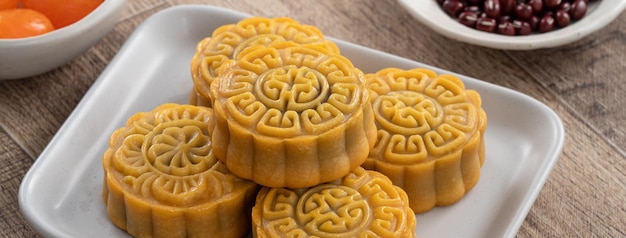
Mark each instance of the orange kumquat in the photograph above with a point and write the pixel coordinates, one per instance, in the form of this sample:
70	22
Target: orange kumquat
63	12
19	23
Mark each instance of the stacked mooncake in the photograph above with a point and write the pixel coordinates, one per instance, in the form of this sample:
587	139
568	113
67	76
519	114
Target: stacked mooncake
430	135
228	41
276	107
162	179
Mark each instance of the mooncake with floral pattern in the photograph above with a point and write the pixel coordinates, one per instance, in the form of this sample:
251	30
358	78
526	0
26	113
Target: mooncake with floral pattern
291	115
430	135
162	180
228	41
363	203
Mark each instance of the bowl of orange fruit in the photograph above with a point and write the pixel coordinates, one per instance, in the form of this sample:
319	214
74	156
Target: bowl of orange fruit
37	36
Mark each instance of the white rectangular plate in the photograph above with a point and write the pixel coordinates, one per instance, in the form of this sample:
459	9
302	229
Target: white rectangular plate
61	194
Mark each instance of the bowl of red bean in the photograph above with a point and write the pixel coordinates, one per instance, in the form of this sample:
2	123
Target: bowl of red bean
515	24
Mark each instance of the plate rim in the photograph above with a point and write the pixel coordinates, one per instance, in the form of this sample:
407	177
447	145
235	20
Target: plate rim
44	228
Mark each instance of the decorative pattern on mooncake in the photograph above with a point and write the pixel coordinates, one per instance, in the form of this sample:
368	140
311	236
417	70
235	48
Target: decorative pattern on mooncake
430	135
228	41
361	204
162	180
292	116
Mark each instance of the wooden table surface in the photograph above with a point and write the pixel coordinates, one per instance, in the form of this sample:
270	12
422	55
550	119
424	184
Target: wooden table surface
582	82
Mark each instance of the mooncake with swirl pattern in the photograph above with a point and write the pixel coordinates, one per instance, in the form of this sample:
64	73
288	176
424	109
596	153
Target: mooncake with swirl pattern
227	41
162	180
291	115
363	203
430	135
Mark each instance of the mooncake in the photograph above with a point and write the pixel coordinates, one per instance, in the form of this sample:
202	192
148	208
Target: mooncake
162	180
228	41
363	203
430	139
291	116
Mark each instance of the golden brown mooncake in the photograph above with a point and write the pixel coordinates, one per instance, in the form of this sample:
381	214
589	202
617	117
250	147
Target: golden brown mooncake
291	116
162	180
228	41
363	203
430	135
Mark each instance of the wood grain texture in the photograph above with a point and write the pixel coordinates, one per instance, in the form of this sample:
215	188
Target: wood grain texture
581	81
588	77
14	163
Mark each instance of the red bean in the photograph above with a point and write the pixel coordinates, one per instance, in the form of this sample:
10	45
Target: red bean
534	22
579	9
522	27
546	24
562	18
486	24
537	5
468	18
506	28
565	6
453	7
492	8
523	11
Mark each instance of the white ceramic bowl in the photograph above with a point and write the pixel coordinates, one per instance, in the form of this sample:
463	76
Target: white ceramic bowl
20	58
599	14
